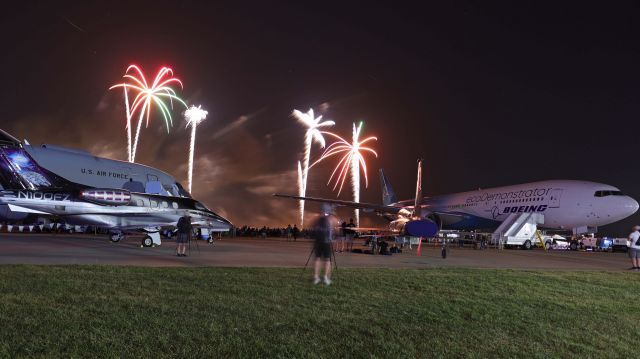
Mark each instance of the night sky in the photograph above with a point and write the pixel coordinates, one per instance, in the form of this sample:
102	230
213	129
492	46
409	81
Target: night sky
488	95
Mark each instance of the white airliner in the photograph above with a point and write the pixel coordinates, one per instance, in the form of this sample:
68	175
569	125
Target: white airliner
579	206
57	183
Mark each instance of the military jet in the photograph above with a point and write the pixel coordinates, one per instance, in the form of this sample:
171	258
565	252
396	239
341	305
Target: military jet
61	184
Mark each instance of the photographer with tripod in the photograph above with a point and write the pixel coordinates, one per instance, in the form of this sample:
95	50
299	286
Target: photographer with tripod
184	234
322	231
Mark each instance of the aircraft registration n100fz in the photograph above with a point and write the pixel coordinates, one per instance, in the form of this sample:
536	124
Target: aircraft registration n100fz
580	206
121	196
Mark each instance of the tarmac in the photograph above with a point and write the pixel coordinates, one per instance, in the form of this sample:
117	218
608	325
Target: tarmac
64	249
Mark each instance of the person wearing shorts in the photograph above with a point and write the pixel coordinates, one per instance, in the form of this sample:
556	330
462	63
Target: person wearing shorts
343	238
322	251
634	248
322	247
350	234
184	232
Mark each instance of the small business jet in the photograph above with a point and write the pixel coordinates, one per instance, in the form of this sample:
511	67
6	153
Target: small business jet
580	206
58	183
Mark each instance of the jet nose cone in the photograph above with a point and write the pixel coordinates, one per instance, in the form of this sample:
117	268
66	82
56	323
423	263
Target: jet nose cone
632	205
225	223
628	207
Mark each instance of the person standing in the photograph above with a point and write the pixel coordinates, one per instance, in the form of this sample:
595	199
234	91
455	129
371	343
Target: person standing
350	234
184	234
289	233
343	237
295	231
634	248
322	231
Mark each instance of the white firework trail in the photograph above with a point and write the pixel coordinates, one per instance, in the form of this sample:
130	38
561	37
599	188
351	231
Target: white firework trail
126	104
313	132
301	189
355	171
194	116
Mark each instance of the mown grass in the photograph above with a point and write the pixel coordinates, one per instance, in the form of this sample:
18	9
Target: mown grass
102	311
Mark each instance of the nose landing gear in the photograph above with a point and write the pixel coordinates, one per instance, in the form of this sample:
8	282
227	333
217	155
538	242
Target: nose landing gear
151	238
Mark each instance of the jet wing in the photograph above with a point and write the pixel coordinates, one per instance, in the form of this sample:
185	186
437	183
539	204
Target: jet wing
367	207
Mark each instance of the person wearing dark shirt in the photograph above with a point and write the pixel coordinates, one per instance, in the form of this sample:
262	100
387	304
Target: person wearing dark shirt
184	233
322	247
343	238
296	231
289	233
350	234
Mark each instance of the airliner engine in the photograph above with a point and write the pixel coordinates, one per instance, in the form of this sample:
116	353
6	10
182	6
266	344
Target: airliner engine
421	228
415	227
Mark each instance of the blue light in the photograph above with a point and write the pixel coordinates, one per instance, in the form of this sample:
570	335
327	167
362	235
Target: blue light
19	159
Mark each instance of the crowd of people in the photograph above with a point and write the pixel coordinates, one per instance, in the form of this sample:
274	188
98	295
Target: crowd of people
291	232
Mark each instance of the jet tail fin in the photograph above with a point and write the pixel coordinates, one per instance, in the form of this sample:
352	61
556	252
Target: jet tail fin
18	170
388	196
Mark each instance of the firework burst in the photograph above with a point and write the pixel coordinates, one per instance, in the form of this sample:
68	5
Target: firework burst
313	132
352	158
147	94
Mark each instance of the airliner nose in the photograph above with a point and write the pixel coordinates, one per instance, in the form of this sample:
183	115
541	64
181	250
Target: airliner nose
629	206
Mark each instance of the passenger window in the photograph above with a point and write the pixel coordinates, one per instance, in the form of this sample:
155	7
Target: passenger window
139	203
175	205
165	204
153	203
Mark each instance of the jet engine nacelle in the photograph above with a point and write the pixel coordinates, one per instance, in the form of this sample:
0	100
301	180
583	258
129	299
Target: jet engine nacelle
107	196
421	228
415	228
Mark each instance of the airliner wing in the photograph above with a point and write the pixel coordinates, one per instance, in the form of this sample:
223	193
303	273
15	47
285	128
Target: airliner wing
369	207
364	206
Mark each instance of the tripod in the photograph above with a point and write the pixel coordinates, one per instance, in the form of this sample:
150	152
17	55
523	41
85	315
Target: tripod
332	258
197	246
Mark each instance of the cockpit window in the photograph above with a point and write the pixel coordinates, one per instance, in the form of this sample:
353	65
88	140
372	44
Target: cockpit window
608	193
199	206
182	191
7	138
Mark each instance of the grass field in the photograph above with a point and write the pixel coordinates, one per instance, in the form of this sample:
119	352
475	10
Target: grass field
89	311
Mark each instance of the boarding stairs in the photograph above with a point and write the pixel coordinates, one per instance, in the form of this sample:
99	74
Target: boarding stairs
518	229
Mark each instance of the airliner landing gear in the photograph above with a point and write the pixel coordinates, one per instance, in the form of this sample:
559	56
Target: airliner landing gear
116	237
573	245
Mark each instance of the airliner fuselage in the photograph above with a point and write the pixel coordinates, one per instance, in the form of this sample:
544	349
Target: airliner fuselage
565	204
